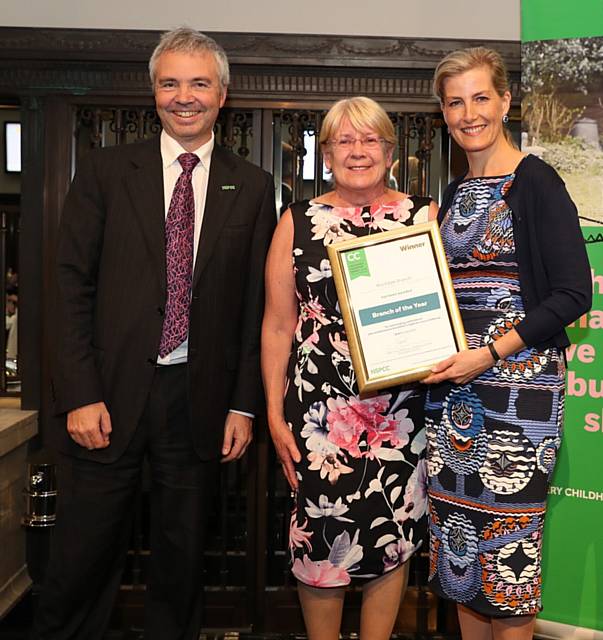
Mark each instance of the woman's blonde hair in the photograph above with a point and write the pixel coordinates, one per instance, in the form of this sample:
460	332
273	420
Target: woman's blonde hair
464	60
363	113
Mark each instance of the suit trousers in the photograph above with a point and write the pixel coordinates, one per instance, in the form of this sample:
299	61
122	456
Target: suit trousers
94	521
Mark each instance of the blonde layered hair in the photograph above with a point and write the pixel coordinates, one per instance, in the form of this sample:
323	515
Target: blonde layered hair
463	60
363	113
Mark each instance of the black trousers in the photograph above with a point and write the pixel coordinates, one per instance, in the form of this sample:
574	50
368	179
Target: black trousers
94	521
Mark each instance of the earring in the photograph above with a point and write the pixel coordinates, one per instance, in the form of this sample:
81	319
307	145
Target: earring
505	119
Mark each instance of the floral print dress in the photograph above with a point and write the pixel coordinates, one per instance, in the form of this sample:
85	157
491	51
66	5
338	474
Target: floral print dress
360	509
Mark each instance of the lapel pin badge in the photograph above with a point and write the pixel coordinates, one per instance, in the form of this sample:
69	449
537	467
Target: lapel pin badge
228	187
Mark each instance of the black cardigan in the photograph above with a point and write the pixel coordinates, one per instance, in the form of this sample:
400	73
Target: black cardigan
554	273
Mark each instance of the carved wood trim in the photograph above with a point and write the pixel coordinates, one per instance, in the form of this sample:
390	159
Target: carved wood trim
266	67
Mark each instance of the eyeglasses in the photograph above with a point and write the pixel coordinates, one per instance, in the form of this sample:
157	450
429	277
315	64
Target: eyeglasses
345	143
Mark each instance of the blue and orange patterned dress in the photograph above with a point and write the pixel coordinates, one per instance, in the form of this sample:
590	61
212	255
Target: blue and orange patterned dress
492	443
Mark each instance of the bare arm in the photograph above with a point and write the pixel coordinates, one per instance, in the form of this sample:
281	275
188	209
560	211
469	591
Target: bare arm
433	210
278	327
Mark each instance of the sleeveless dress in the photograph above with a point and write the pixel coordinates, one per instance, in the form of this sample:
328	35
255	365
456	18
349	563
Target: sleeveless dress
492	443
360	509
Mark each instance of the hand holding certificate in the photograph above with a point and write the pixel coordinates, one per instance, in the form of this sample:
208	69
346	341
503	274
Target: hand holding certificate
398	304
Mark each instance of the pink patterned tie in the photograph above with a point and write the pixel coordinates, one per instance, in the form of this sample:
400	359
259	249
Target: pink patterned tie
179	234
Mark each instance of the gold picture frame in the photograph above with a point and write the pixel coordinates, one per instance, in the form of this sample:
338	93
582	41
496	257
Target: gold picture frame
398	304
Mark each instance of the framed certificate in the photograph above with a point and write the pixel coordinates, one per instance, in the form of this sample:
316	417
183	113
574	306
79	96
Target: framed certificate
398	304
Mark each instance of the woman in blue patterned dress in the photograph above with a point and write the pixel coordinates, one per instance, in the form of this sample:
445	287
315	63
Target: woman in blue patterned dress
494	412
357	465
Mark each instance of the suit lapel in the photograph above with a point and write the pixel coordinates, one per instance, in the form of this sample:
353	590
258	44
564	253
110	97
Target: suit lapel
223	189
144	182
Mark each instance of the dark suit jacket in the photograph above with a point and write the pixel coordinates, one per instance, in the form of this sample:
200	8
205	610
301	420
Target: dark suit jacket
112	292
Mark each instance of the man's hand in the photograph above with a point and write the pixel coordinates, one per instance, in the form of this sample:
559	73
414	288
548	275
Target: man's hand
237	436
90	426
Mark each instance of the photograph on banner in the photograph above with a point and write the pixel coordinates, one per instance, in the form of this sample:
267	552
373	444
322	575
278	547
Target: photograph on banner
562	115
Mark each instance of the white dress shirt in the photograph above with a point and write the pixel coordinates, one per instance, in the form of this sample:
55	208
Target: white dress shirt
170	150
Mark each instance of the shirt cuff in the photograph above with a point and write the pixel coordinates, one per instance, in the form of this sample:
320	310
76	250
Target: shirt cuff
242	413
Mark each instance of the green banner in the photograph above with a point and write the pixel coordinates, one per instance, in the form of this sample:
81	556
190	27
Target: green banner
562	122
573	538
556	19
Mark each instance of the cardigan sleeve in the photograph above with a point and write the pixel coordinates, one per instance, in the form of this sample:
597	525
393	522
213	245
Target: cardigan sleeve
564	259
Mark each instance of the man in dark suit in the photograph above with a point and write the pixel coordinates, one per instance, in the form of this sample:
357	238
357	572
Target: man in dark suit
160	276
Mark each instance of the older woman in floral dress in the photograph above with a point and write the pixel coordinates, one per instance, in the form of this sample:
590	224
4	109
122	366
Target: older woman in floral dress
356	465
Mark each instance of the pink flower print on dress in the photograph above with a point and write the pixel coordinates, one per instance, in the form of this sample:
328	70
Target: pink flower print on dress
298	536
404	427
320	574
329	466
309	344
328	226
415	496
341	346
345	426
390	215
402	211
381	429
315	275
397	553
313	310
316	430
352	214
326	509
349	419
381	209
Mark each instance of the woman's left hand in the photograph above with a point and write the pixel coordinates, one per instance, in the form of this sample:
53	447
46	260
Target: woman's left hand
462	367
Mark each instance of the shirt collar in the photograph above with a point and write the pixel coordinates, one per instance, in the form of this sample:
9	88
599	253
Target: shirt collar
171	149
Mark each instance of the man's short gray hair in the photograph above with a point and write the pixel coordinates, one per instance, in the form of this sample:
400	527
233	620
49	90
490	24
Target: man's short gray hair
187	40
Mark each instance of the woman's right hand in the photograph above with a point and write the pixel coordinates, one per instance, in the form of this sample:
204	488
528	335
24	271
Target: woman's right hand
278	329
286	449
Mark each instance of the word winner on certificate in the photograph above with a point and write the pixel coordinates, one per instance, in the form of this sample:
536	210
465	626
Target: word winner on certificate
399	306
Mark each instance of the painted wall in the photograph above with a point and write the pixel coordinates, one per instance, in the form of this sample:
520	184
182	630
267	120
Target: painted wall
487	19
